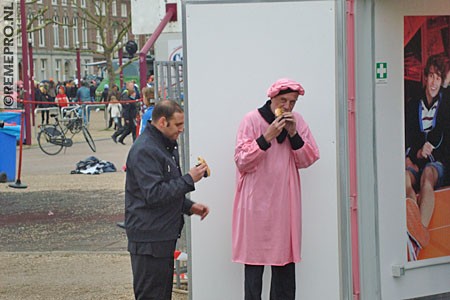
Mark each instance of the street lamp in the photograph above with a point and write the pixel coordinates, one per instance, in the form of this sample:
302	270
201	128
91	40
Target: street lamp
30	60
120	64
30	55
78	64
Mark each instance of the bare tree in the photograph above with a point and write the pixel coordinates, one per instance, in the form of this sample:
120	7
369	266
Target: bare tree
32	18
98	14
110	31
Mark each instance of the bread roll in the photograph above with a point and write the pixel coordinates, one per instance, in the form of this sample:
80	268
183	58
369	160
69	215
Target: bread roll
201	160
279	111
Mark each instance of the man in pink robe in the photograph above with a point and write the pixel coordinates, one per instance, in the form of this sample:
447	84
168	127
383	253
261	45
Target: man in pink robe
267	206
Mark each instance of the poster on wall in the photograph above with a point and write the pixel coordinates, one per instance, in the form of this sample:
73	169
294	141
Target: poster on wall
427	135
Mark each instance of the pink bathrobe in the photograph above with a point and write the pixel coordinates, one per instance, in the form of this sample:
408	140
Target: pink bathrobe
267	215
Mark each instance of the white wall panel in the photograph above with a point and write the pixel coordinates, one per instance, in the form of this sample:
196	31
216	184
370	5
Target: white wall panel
233	53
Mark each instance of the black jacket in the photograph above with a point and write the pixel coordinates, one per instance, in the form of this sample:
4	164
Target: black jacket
439	136
129	110
155	189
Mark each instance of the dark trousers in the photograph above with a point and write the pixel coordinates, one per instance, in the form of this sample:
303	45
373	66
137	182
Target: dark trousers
117	123
45	115
152	277
124	131
282	285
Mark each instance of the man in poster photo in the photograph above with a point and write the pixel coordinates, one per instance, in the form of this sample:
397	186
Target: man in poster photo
427	132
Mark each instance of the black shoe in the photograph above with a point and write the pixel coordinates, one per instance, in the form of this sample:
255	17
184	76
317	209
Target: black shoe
121	224
114	138
122	142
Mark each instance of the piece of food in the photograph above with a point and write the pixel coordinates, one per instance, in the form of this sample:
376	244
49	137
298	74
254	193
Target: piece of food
201	160
279	111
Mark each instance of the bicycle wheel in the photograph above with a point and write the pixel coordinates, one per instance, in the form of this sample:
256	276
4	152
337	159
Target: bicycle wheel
88	138
75	125
50	140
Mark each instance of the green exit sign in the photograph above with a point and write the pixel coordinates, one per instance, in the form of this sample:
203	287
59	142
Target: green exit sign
381	71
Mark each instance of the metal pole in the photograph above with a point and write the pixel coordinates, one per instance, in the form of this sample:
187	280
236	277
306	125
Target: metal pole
18	184
170	13
26	81
78	65
120	64
33	105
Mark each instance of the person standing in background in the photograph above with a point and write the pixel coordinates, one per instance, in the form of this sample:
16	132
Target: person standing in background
272	144
115	111
61	99
43	97
129	112
72	91
84	96
51	89
149	103
92	89
104	95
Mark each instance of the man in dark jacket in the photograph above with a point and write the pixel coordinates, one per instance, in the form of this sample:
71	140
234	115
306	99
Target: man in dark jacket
155	201
129	113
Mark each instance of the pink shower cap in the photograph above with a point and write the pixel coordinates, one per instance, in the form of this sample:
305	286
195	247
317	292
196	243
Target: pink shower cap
284	84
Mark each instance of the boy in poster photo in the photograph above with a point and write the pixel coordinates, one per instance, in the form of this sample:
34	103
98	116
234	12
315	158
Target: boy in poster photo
427	133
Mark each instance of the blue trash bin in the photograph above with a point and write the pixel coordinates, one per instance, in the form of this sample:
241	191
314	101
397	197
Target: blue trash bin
8	155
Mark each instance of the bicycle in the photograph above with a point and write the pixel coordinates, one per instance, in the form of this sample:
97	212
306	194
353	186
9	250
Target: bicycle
52	138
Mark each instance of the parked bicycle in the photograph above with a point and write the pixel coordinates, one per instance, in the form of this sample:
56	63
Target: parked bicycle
52	138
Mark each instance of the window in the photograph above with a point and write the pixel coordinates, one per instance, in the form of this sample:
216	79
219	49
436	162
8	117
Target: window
75	32
114	8
41	31
55	2
100	8
123	10
34	69
97	8
38	1
43	69
67	69
55	32
66	31
30	34
86	68
84	35
125	38
74	3
58	69
31	37
115	34
99	41
83	3
64	2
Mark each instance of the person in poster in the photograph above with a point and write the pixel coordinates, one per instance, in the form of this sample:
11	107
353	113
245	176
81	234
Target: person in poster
426	55
427	132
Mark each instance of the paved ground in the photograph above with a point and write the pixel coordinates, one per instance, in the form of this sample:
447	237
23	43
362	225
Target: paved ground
59	238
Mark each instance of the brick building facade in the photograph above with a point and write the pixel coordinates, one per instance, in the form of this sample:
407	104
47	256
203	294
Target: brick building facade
54	54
